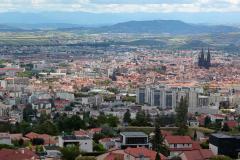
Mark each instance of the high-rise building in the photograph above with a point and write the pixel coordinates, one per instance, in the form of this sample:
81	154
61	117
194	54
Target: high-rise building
140	95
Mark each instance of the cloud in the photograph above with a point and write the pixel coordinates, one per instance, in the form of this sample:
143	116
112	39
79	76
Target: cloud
121	6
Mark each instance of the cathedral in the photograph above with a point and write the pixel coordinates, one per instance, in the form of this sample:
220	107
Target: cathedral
203	60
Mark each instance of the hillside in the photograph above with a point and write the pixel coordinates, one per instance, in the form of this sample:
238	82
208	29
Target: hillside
165	26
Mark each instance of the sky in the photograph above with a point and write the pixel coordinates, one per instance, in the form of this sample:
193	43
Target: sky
113	11
121	6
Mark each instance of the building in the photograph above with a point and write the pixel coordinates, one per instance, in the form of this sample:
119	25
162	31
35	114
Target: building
19	154
159	96
5	138
222	144
134	139
178	144
200	154
85	143
129	153
203	60
107	143
48	140
140	96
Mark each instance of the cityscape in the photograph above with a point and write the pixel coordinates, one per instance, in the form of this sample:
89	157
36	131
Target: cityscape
119	80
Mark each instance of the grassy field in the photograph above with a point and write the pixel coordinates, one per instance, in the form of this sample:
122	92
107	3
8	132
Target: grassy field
148	130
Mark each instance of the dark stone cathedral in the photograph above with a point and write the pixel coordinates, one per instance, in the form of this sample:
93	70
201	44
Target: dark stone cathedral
204	61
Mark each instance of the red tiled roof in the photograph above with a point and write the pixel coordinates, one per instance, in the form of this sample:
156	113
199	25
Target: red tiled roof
80	133
232	124
195	145
200	154
114	156
218	115
105	139
47	138
95	130
178	139
20	154
136	152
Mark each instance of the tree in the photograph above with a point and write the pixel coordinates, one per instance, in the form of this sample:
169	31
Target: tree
205	145
158	157
207	121
47	127
225	127
112	121
157	141
195	135
69	124
127	117
18	143
141	119
70	152
98	147
39	149
28	113
181	116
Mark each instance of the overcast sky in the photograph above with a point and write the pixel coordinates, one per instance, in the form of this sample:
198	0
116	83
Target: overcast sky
121	6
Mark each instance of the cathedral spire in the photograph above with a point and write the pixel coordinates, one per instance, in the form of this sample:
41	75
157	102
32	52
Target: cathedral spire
203	61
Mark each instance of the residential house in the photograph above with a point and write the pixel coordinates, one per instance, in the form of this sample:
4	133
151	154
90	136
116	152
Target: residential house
200	154
5	138
139	153
17	154
223	144
107	143
178	144
134	139
48	140
85	143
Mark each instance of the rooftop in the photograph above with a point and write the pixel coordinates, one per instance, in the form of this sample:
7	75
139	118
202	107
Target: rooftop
72	137
134	134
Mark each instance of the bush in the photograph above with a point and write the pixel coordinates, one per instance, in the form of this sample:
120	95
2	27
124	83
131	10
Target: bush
205	145
70	153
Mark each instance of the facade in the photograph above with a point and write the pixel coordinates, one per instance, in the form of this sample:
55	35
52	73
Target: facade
19	154
178	144
159	96
222	144
140	99
133	139
201	154
85	143
5	138
204	61
139	153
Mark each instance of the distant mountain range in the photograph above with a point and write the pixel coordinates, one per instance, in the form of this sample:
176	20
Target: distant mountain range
165	26
151	27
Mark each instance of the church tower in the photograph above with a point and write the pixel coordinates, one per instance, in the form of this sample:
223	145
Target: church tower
204	61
